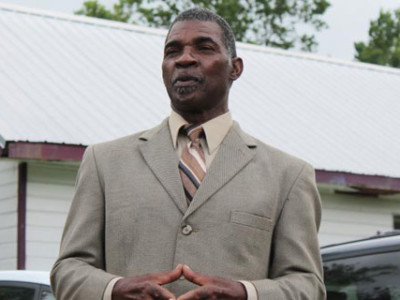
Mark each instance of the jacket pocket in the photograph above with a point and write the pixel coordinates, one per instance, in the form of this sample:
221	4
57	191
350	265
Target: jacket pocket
251	220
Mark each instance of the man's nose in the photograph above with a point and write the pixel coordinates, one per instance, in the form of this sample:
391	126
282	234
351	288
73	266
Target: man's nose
186	58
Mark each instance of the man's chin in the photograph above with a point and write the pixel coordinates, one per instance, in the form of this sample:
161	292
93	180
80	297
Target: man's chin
187	100
187	105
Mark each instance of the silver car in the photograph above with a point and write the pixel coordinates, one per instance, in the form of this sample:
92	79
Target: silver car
25	285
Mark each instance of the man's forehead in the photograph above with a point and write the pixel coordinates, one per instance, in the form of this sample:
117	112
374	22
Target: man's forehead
192	28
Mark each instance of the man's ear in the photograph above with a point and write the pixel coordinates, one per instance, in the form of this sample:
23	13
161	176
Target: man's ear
237	68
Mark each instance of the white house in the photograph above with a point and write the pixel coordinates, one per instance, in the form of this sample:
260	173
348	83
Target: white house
69	81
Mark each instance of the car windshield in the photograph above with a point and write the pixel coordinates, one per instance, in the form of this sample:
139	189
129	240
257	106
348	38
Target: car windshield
369	277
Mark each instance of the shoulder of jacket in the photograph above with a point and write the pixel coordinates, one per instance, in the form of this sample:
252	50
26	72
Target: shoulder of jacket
278	158
126	142
266	149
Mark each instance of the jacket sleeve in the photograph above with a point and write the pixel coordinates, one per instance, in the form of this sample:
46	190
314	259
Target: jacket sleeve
79	272
296	267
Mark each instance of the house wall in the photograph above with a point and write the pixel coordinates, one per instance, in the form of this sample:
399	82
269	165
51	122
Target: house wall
347	217
8	214
49	193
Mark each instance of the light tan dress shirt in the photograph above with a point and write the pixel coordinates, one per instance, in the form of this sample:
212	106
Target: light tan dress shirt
215	131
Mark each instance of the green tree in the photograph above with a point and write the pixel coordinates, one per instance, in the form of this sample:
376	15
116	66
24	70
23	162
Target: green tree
274	23
383	47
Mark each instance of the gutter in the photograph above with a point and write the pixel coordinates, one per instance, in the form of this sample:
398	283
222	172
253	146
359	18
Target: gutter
42	151
367	185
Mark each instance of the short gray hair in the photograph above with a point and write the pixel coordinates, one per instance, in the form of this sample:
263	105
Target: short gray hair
202	14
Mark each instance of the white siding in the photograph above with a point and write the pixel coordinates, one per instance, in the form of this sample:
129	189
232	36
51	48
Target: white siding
8	214
49	194
347	217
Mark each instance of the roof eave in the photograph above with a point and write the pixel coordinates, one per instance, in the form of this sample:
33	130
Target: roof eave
74	153
364	184
42	151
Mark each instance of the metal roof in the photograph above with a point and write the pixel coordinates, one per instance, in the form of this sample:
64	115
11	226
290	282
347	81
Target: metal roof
78	80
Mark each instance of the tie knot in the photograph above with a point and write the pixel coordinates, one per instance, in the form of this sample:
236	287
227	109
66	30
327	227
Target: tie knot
193	131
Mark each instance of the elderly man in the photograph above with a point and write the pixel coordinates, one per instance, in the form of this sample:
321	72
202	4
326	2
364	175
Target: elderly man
194	208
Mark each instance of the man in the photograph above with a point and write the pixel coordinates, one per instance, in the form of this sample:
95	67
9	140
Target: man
218	215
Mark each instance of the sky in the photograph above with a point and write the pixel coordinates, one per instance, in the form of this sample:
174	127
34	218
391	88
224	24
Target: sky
348	21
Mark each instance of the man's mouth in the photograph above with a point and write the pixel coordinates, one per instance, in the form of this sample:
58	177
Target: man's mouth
186	89
186	84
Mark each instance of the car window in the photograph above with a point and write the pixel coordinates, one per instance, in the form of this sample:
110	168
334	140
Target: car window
16	293
369	277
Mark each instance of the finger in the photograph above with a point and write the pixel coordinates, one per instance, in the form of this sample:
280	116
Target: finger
159	292
169	276
127	288
198	294
197	278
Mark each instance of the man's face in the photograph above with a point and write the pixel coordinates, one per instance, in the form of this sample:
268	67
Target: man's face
197	68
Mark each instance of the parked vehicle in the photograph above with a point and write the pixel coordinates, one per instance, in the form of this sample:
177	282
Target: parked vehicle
367	269
25	285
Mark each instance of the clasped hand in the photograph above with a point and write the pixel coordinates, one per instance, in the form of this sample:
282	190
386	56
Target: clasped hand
151	286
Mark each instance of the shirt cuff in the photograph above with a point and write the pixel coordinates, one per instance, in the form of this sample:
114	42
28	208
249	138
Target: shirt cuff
250	290
108	291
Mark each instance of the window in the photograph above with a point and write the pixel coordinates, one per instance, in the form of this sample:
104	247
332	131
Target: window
16	293
369	277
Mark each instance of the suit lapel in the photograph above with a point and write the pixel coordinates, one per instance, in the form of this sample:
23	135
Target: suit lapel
159	154
235	152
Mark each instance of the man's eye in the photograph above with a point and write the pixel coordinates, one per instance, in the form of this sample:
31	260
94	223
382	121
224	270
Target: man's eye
206	48
170	51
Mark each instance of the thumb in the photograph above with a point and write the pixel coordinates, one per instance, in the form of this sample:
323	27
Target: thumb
170	276
194	277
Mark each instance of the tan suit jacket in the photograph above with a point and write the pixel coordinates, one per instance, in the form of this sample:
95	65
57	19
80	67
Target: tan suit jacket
255	217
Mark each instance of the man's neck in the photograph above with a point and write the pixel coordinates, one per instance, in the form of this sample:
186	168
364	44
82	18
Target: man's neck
201	117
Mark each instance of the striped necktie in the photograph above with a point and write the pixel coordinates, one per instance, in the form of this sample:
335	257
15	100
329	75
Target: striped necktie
192	166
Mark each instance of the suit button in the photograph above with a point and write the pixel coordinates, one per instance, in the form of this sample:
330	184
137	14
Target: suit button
187	229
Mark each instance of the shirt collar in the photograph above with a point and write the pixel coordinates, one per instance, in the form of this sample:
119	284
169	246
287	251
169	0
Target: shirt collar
214	129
